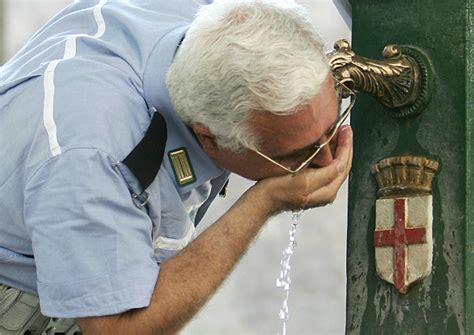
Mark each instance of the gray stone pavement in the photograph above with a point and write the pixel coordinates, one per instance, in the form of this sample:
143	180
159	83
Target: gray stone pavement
248	302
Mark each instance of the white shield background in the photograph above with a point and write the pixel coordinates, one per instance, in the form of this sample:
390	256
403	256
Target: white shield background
418	256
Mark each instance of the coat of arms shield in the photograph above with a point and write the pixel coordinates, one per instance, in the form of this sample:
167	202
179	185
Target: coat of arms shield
403	229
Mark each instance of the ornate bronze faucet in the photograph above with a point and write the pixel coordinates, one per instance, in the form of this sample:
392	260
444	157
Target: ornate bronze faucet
401	82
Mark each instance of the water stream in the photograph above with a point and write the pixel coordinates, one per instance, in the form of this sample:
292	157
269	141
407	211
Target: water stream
284	279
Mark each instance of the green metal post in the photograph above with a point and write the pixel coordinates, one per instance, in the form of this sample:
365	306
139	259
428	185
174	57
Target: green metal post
469	54
443	303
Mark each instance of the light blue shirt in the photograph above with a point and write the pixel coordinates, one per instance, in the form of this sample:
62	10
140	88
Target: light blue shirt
74	102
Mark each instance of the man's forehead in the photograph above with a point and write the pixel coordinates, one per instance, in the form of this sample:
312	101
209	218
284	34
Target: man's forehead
283	133
316	107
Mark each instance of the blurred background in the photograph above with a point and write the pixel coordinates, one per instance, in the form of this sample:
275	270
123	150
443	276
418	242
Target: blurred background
249	301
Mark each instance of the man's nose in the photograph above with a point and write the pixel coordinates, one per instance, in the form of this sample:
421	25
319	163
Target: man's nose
323	158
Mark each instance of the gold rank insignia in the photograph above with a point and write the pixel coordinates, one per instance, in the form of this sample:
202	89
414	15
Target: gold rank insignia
182	168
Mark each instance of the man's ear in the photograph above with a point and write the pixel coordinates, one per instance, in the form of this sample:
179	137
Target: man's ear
206	138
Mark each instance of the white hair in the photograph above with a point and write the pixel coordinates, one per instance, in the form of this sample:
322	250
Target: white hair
241	57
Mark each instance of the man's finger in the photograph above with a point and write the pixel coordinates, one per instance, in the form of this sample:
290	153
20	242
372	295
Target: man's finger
327	193
341	165
344	145
319	177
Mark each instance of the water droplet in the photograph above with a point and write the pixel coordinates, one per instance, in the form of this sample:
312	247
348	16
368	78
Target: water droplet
284	279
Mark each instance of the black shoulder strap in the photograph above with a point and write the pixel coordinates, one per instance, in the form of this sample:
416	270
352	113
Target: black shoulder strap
145	159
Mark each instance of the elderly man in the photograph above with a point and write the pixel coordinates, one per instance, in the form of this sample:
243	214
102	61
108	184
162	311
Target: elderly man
120	123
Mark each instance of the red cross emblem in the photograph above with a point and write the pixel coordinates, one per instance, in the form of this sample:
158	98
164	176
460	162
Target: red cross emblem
400	237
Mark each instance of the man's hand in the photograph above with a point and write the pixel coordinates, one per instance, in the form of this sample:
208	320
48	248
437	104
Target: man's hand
312	187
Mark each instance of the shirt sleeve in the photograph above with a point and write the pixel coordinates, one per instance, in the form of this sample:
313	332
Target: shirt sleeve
92	247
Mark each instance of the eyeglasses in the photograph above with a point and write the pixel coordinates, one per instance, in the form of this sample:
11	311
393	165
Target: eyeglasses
343	92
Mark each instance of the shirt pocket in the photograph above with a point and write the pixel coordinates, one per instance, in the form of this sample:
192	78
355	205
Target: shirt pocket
172	227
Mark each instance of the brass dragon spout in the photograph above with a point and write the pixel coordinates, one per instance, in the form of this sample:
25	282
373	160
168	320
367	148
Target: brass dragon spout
399	81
